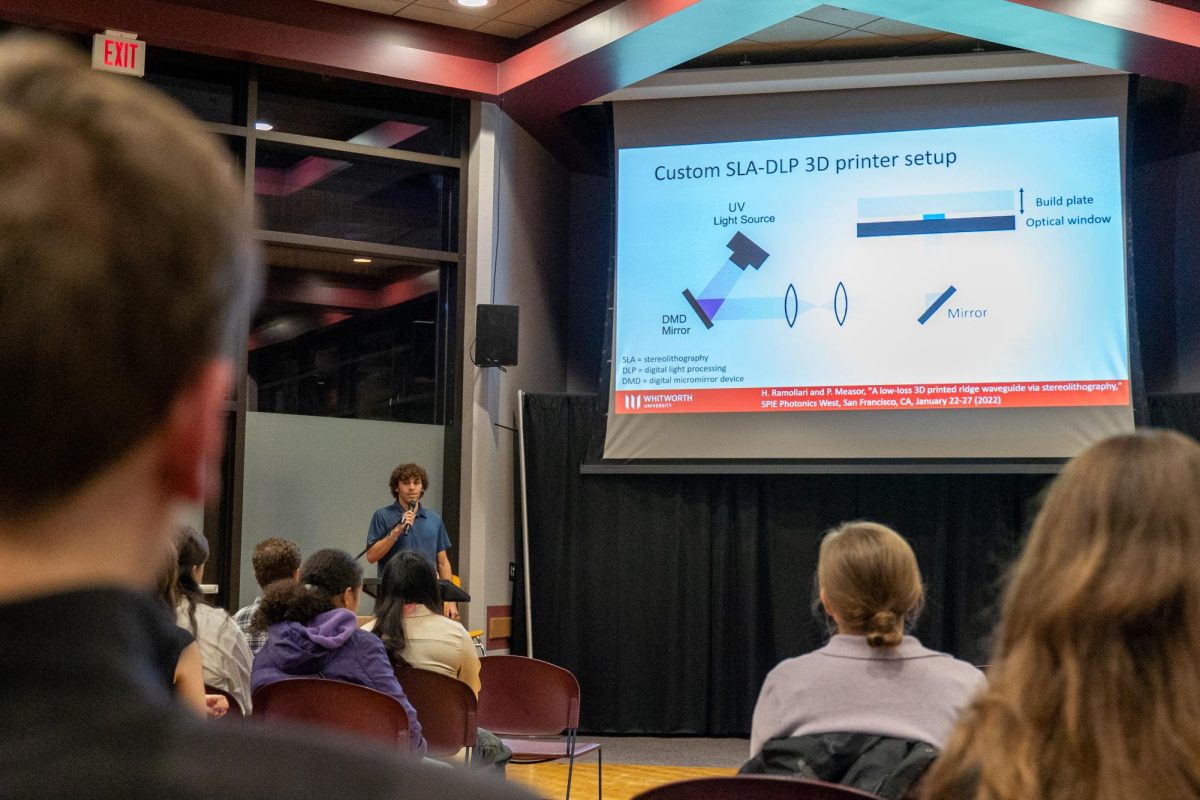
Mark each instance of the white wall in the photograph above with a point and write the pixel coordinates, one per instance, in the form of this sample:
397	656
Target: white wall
517	210
316	480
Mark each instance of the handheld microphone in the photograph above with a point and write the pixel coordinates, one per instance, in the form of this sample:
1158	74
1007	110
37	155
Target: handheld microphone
411	507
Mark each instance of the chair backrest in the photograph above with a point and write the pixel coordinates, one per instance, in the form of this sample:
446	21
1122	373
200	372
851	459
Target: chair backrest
525	697
334	704
445	706
752	787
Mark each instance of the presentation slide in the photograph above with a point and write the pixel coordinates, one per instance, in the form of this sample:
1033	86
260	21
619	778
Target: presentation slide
950	268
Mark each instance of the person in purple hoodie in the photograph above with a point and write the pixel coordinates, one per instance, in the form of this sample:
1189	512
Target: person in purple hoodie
312	631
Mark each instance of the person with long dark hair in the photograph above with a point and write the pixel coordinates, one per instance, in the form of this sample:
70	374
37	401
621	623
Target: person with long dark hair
312	631
1094	683
223	647
180	661
409	621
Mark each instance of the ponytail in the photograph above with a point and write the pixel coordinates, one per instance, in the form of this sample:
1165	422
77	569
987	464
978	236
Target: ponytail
869	577
884	629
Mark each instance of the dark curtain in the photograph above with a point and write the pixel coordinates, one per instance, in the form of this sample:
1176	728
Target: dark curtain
671	596
1180	412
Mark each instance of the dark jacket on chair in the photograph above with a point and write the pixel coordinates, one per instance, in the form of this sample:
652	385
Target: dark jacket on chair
883	765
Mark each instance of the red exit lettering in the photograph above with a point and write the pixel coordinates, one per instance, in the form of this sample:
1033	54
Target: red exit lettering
116	51
120	54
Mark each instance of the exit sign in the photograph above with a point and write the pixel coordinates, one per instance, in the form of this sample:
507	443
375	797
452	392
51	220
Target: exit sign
117	51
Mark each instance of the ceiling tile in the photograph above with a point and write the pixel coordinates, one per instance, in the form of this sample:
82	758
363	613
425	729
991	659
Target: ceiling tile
379	6
858	45
750	48
900	30
492	11
797	29
498	27
439	17
839	16
734	53
537	13
951	43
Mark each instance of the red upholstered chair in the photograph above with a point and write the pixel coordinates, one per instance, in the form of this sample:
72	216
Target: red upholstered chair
753	787
334	704
524	697
446	707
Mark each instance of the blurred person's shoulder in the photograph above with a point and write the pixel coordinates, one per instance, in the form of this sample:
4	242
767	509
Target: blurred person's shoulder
256	762
88	713
173	756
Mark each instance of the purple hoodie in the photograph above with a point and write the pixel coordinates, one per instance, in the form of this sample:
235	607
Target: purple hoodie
332	646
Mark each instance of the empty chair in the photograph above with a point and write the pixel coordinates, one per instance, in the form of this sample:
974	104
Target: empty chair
446	707
335	704
524	697
752	787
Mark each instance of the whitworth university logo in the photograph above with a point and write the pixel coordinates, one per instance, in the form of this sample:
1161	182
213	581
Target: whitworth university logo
633	402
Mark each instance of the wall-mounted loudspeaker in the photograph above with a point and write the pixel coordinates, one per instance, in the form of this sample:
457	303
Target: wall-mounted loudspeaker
495	336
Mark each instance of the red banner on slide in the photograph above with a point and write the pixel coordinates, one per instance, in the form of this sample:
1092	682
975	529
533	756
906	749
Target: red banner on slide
907	397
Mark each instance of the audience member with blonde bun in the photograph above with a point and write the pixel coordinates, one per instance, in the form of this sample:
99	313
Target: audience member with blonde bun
1094	686
871	677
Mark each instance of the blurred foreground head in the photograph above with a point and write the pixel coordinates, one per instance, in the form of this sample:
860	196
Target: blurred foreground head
1094	686
125	268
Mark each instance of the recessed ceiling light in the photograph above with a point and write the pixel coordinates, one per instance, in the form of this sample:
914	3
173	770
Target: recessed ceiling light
263	126
471	3
362	261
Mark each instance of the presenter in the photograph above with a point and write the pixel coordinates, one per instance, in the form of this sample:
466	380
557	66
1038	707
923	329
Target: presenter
408	525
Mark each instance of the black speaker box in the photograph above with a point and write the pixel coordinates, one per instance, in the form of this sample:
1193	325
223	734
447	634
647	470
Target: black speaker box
496	336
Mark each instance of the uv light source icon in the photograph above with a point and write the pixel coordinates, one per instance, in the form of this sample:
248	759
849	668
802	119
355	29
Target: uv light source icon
743	253
714	303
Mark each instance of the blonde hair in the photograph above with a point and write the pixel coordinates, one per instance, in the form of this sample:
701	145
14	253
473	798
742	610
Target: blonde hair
869	576
1094	688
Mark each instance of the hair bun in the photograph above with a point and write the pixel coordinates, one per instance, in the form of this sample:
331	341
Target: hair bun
884	629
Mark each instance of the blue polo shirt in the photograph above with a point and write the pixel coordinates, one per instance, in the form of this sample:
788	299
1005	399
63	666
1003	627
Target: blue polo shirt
428	534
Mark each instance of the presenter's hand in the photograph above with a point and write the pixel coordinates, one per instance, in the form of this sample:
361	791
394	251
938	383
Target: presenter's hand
450	609
406	521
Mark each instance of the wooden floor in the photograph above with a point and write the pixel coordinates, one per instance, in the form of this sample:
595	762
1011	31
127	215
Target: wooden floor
621	781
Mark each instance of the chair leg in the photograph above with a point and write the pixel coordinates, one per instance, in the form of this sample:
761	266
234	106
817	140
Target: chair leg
599	773
570	760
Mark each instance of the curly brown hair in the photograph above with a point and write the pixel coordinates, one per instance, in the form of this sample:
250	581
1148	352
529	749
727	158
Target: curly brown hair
325	575
403	473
